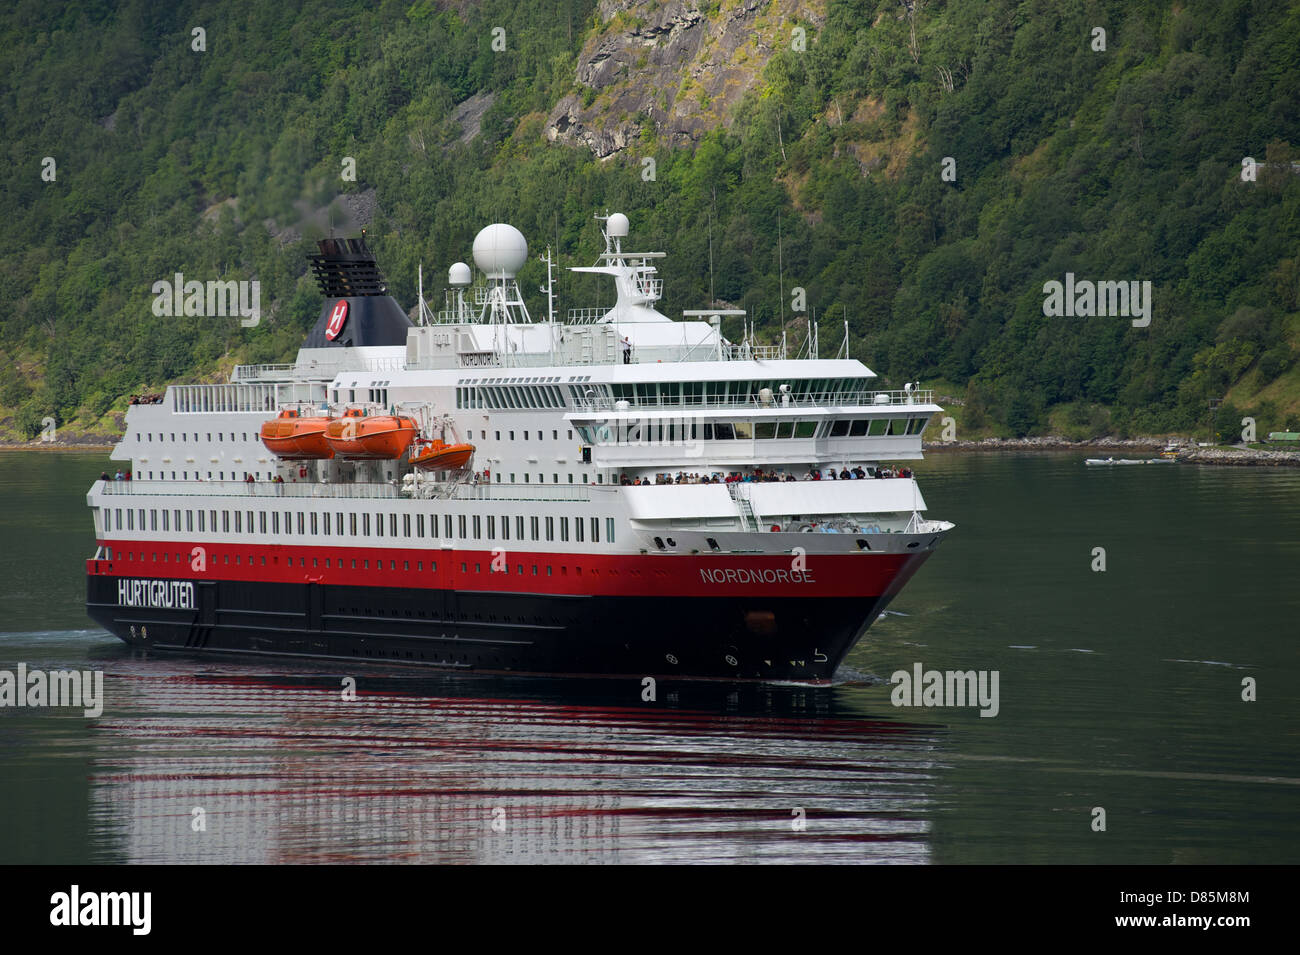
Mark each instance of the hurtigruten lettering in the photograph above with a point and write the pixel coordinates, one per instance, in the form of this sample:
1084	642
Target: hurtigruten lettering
169	594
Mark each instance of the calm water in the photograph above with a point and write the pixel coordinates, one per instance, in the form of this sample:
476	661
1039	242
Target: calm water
1119	690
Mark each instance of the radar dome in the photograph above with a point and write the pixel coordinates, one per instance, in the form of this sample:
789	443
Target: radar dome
500	251
459	274
617	226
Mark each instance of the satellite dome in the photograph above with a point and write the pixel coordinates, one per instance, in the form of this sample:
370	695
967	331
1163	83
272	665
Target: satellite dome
459	274
500	251
617	226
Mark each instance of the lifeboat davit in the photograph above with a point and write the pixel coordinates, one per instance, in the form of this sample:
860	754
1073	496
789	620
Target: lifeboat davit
438	455
295	438
370	437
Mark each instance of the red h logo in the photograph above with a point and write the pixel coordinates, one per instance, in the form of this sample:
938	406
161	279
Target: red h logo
337	317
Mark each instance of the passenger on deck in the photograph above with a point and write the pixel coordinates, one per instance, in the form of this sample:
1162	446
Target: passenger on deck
844	474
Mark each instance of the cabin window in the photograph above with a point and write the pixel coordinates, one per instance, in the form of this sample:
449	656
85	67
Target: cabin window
392	526
225	522
805	429
857	429
839	429
365	525
201	528
609	530
301	523
238	523
492	527
446	524
461	522
564	528
352	521
478	528
765	429
877	427
419	525
595	530
577	529
315	528
505	528
535	524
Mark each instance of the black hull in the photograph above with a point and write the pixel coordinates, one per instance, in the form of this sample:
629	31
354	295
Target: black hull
723	638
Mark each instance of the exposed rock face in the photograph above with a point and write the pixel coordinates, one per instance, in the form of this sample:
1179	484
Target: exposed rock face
469	115
673	67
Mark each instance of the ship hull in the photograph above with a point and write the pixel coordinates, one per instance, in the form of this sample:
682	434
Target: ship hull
751	638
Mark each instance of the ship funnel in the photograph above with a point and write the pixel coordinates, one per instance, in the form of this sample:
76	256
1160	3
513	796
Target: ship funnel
358	310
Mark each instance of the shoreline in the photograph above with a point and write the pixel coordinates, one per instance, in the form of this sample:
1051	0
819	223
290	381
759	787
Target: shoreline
1188	453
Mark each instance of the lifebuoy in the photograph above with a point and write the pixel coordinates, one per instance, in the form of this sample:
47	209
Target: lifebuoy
776	528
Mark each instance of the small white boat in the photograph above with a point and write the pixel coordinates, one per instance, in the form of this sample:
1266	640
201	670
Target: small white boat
1103	462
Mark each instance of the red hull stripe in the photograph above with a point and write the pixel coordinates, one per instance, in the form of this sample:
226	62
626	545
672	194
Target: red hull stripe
514	571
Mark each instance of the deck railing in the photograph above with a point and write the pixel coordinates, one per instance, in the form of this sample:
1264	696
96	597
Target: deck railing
777	402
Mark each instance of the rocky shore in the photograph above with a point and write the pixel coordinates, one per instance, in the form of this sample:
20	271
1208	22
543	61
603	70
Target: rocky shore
1187	451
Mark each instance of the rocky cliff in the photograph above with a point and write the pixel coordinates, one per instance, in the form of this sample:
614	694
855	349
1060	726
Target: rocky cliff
675	68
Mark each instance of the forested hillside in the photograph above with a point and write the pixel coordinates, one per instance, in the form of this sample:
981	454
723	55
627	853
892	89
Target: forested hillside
919	168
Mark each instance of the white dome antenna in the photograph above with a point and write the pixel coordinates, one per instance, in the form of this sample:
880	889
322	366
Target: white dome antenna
459	275
500	251
616	227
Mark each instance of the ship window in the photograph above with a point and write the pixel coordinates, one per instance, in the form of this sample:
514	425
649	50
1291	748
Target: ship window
338	523
505	527
525	477
365	564
722	431
548	570
535	525
765	429
609	530
460	524
406	525
478	527
406	565
577	529
512	477
877	427
261	522
225	522
301	523
498	434
785	429
365	526
595	530
526	435
519	527
805	429
166	522
550	528
238	523
858	429
555	479
419	525
534	570
130	520
379	525
392	526
492	527
744	430
839	429
564	528
315	527
570	434
469	435
446	524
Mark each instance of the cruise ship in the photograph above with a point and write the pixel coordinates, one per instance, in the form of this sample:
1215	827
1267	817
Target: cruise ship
614	493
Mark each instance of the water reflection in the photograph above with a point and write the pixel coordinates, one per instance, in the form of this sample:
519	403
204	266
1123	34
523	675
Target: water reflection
455	770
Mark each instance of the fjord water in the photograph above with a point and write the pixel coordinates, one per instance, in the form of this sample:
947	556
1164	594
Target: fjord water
1119	690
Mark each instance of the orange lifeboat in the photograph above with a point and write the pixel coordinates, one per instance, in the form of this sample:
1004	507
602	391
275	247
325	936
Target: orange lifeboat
295	438
370	437
438	455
